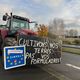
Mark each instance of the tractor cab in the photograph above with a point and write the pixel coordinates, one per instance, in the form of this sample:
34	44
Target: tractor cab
18	24
14	21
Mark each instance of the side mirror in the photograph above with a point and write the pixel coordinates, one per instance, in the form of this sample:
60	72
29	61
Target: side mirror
4	17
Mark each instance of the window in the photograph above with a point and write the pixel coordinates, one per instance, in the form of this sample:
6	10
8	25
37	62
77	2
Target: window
8	23
16	23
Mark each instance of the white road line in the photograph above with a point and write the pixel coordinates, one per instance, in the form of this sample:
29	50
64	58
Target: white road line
76	67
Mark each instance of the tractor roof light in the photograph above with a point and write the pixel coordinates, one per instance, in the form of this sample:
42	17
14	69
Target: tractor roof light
21	18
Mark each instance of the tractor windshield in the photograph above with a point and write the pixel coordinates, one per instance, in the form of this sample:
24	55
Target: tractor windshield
16	23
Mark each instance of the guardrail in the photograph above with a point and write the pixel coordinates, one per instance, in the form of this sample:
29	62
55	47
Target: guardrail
71	46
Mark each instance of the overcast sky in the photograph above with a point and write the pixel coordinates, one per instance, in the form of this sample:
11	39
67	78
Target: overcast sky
42	11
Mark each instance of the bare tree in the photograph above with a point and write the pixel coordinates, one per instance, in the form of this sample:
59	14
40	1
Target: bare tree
73	33
56	27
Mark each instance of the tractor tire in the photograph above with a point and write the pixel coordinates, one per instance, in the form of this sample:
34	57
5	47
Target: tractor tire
1	42
10	42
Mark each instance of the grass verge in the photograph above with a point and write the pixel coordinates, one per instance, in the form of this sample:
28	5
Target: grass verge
71	50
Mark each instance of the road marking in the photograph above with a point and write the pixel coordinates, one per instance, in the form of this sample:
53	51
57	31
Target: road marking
76	67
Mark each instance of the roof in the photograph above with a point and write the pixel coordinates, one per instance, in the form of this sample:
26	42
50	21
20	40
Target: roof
21	18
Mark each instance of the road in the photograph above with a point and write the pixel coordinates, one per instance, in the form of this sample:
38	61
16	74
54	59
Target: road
69	69
25	73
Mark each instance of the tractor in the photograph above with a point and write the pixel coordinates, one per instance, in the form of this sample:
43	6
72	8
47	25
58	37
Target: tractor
16	25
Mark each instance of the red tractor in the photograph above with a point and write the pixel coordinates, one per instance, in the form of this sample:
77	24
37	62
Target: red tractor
15	26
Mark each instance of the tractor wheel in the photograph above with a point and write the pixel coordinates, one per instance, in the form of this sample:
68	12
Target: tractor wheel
1	42
6	43
10	42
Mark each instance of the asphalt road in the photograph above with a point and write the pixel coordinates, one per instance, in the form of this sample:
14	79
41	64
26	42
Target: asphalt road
25	73
69	69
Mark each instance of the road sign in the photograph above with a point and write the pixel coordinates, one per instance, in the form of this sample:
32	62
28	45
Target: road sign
14	56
